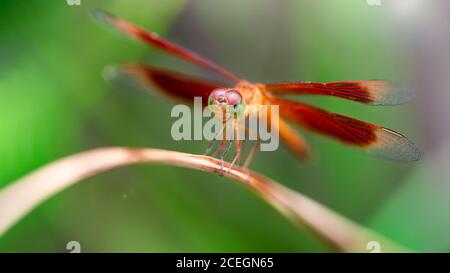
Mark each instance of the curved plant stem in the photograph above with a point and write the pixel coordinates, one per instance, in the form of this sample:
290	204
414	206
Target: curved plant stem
21	196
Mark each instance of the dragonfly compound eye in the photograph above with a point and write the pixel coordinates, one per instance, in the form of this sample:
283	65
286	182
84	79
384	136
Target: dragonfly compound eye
217	96
233	97
226	100
235	100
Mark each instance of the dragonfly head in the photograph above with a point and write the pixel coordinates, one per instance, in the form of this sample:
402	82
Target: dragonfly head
226	103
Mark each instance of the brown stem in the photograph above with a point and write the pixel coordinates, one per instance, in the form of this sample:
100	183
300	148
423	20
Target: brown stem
21	196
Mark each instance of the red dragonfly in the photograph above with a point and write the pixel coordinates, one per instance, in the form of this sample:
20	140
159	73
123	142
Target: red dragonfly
374	139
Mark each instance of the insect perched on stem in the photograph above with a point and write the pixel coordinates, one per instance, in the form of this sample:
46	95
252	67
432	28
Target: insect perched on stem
372	138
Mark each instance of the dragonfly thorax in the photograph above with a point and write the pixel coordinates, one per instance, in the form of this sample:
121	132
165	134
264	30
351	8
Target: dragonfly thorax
252	94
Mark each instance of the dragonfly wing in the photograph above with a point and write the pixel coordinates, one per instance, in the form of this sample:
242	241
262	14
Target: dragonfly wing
372	138
172	84
153	39
293	140
373	92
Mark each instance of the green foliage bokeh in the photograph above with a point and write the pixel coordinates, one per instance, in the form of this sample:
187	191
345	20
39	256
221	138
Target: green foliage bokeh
54	102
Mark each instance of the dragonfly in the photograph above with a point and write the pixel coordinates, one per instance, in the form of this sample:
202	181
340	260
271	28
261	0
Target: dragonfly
373	139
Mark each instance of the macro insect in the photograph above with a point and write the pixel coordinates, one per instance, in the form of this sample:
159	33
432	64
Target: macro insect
374	139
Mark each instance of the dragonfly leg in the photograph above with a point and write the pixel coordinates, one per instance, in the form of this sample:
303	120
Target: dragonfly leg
210	146
213	141
250	156
243	144
224	154
236	156
219	149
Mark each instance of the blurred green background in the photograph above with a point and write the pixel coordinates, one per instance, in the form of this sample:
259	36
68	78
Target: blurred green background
54	102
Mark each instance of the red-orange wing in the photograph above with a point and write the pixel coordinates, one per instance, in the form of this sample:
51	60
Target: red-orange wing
372	92
293	140
153	39
374	139
172	84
